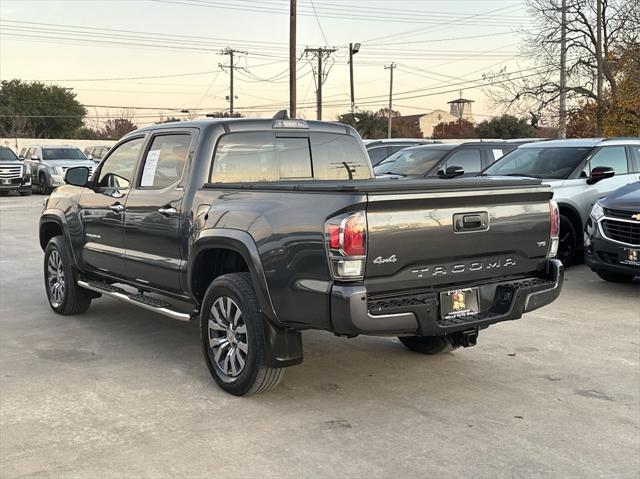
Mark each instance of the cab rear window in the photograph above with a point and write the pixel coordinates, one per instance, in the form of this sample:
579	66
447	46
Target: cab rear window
265	156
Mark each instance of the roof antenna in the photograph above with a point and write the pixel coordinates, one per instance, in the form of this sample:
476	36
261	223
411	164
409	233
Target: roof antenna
281	115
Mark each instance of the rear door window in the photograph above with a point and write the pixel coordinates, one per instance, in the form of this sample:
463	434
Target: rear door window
165	160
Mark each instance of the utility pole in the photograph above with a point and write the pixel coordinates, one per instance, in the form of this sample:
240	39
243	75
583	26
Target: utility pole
562	130
231	67
390	68
321	54
353	49
599	105
292	58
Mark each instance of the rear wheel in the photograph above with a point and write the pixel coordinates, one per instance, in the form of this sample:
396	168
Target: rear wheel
615	277
428	344
233	340
568	241
60	281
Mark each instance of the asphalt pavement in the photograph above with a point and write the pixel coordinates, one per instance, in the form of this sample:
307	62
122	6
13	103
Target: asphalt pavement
123	392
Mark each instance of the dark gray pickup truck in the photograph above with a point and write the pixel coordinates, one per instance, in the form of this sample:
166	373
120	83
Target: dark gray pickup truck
265	228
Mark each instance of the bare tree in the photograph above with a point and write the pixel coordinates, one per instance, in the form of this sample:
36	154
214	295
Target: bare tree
538	90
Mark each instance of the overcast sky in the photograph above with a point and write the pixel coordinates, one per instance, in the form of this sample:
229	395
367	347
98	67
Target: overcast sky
440	46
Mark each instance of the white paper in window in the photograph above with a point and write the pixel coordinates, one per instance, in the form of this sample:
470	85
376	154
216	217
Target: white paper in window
149	172
497	154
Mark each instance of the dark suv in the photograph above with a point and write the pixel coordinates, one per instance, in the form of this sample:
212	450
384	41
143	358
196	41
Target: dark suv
443	160
612	235
14	174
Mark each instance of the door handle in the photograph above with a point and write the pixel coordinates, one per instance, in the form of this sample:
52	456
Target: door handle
117	208
167	211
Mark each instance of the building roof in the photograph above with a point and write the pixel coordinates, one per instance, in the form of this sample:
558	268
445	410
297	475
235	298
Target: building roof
461	100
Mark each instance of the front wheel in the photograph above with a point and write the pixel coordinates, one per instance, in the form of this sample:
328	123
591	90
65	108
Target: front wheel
233	340
429	344
64	294
615	277
45	189
568	242
25	193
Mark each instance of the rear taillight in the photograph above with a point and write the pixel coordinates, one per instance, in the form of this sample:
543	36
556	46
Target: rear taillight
554	213
346	238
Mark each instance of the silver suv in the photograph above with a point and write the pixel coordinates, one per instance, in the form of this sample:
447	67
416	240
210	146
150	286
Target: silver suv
49	162
581	171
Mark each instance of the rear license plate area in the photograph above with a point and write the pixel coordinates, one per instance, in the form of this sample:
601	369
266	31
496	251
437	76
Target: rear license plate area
629	256
459	303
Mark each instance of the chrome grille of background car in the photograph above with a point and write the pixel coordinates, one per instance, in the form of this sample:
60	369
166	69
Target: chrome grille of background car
10	172
625	215
627	232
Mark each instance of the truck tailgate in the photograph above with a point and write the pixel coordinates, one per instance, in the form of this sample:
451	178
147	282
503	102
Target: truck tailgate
439	238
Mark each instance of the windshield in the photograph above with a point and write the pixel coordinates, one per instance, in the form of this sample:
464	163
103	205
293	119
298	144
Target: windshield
411	162
49	154
7	154
546	163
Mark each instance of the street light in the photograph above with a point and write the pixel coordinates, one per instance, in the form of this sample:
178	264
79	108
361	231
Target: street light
353	49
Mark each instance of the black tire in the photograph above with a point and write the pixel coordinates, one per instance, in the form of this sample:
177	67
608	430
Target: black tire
26	193
615	277
45	189
568	242
428	344
254	376
69	298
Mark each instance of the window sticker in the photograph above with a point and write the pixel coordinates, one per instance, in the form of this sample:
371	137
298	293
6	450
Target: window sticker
497	153
150	165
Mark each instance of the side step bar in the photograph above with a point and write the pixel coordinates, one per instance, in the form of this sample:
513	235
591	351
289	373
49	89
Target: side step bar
140	300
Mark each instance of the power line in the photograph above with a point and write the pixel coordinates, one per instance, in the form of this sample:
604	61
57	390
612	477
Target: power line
315	13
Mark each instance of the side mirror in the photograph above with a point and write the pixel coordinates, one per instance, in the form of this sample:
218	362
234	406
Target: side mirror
35	158
77	176
452	172
90	157
21	158
600	173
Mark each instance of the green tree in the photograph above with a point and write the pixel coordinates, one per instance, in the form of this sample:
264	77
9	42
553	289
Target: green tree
454	129
505	127
38	110
86	133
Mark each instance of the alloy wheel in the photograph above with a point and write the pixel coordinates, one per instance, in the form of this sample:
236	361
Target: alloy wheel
55	278
228	338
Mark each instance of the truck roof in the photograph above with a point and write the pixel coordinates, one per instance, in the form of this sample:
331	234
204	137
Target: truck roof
252	124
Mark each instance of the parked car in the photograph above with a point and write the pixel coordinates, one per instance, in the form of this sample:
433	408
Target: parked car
581	171
49	162
612	235
14	174
443	160
266	228
96	152
379	150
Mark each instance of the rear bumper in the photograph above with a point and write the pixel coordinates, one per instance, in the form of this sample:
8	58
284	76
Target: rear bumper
353	312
